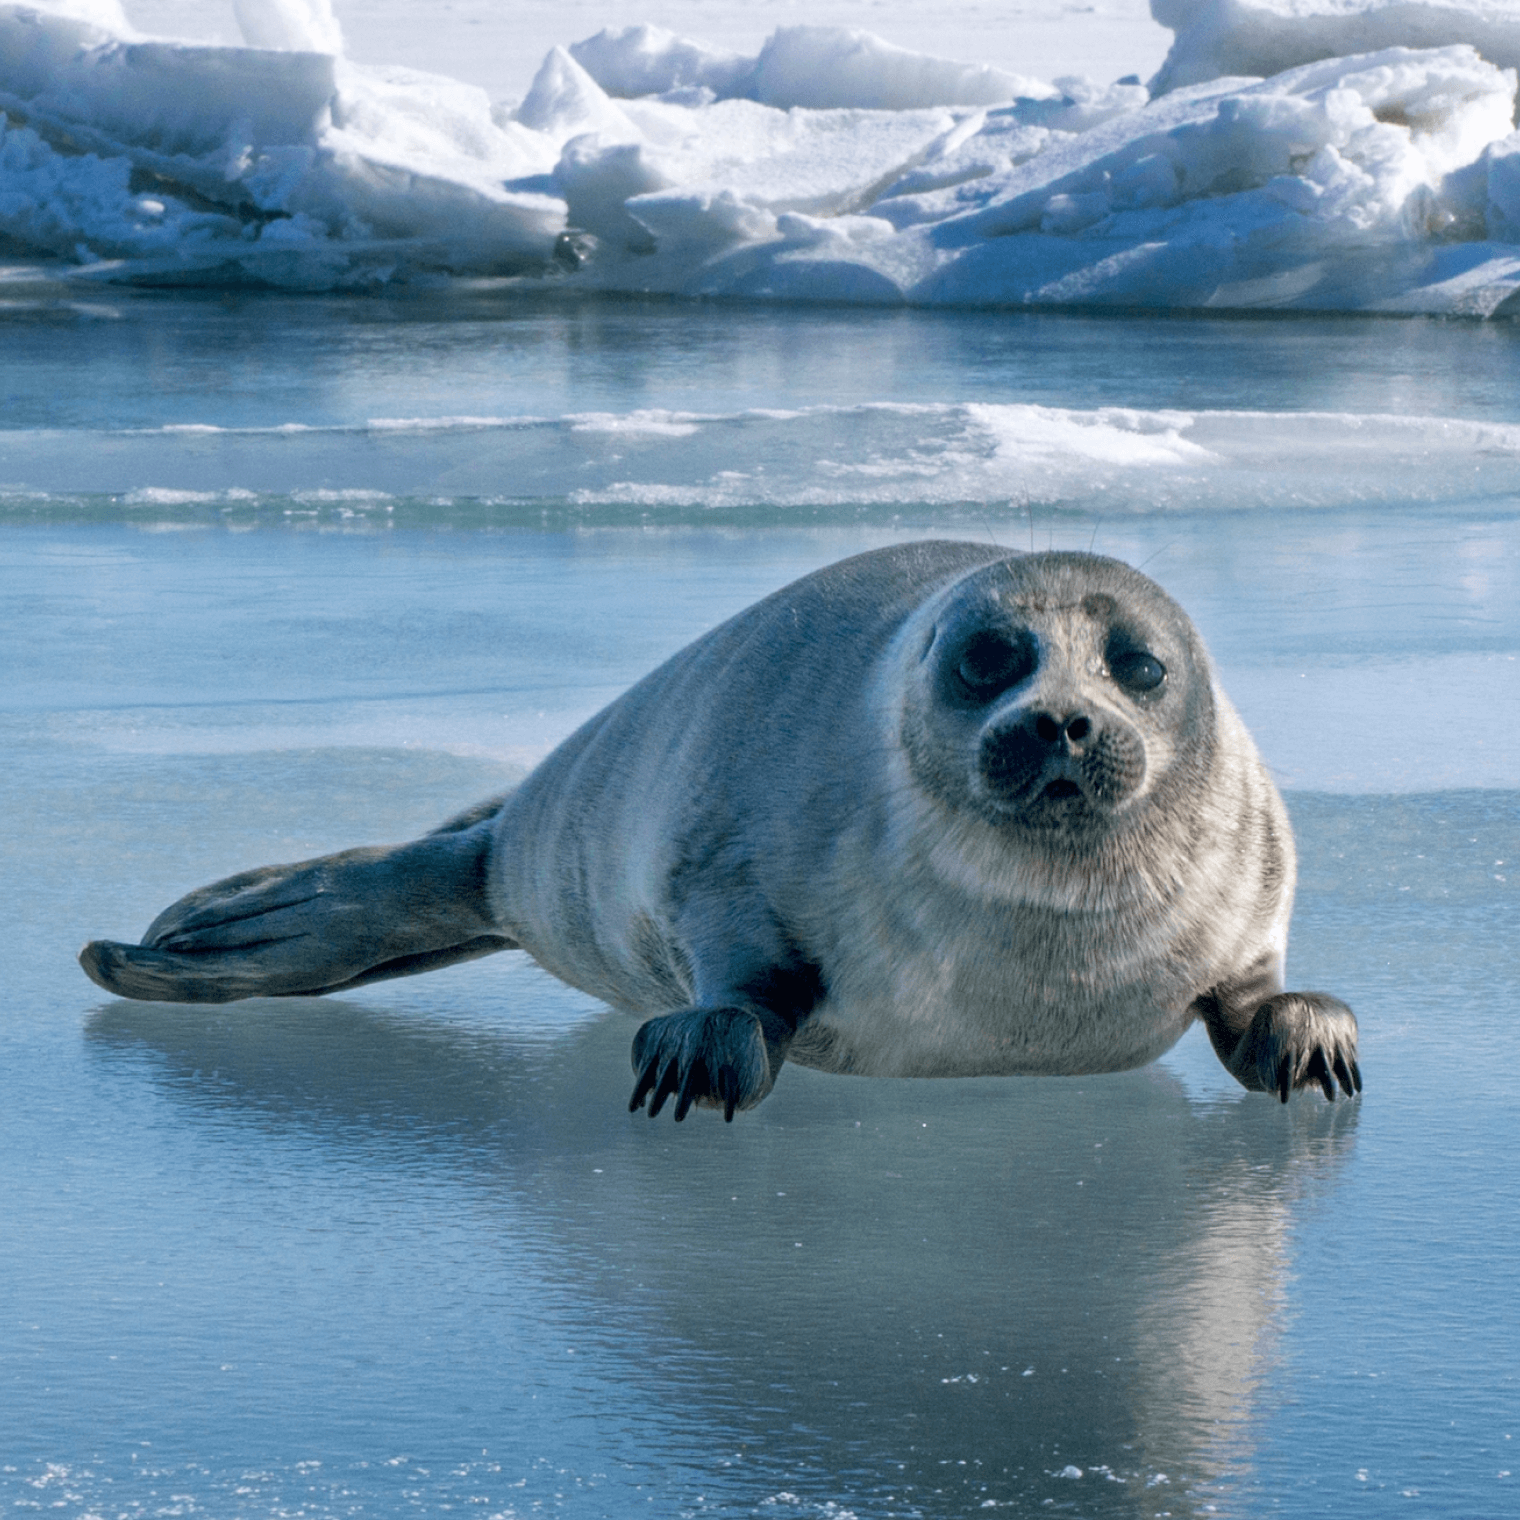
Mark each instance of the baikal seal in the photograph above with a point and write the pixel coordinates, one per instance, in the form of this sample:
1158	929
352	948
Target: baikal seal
936	810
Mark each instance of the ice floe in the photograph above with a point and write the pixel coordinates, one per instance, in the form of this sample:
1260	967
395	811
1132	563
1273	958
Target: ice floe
186	163
814	67
829	166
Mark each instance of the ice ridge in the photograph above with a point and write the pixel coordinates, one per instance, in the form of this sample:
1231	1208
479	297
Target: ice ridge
831	166
886	457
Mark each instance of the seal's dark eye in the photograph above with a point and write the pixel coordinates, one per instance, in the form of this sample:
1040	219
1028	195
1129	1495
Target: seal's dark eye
992	662
1136	669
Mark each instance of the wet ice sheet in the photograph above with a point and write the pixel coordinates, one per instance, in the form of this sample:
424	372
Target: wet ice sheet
408	1249
675	466
134	359
420	411
1357	651
1383	579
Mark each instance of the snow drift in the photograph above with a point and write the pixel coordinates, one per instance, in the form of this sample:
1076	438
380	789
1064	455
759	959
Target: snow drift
815	67
831	166
180	163
1216	38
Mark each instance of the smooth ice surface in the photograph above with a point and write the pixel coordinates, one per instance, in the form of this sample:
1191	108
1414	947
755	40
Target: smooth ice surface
264	593
1376	171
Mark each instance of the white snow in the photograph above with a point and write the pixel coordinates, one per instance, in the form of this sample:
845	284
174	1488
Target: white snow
292	25
176	162
828	165
648	60
1219	37
819	67
500	46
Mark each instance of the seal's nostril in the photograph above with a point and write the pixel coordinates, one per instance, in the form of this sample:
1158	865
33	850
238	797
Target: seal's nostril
1046	728
1078	729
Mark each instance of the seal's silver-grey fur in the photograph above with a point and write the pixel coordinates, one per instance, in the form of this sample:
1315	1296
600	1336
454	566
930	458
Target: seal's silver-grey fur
936	810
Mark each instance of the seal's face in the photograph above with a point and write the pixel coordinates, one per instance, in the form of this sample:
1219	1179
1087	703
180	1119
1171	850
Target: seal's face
1054	693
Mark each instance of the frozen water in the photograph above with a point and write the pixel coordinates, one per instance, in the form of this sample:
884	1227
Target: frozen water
281	573
875	457
830	165
278	1248
406	1249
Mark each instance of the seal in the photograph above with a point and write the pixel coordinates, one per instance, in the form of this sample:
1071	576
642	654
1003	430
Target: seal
935	810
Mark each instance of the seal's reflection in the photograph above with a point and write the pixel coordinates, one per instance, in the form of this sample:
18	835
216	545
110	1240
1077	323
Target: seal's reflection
922	1296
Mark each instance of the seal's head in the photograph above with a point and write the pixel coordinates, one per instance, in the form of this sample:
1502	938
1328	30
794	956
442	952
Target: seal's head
1063	694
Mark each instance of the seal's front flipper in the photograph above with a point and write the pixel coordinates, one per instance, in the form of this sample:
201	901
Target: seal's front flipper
715	1057
1294	1039
319	926
1300	1039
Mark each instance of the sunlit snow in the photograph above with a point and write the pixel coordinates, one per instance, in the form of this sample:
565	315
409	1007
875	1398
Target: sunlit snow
831	165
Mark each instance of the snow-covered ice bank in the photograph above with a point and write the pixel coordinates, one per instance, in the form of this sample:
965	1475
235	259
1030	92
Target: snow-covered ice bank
180	163
816	67
831	166
1215	38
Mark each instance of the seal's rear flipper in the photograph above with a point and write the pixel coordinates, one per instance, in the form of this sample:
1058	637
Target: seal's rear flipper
320	926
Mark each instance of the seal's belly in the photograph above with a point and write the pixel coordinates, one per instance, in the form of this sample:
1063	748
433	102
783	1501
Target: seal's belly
1033	1035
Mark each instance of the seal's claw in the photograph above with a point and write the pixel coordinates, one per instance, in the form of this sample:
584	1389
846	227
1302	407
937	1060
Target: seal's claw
1343	1075
663	1089
1319	1069
712	1057
728	1091
1300	1039
694	1083
641	1087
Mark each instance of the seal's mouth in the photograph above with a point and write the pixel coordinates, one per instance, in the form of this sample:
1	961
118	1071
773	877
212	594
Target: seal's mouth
1056	794
1057	774
1063	800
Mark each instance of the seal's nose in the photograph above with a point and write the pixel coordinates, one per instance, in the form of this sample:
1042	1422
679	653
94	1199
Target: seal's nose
1039	749
1067	733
